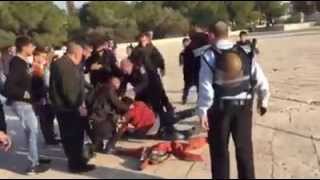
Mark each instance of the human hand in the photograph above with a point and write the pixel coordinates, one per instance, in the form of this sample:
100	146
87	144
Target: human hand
5	141
96	66
204	123
263	111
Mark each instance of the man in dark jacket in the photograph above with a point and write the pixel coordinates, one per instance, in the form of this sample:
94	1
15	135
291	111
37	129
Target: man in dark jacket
67	95
102	64
153	62
18	91
147	87
105	111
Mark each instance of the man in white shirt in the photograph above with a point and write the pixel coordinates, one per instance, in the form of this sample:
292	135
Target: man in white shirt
225	105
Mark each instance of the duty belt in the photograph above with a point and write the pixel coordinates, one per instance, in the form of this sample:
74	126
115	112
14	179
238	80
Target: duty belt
224	103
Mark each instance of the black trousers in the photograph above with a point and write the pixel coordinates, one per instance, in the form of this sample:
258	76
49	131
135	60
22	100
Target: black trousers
236	121
72	128
46	117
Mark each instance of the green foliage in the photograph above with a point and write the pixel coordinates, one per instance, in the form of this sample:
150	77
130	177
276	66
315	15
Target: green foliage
7	38
43	21
108	19
307	7
271	10
162	20
241	13
49	25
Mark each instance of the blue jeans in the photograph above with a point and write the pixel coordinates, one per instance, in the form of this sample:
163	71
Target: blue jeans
30	125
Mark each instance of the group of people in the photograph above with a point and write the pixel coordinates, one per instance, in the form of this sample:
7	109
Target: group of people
86	89
105	107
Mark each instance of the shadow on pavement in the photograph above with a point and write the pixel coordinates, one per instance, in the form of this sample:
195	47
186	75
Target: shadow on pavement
17	163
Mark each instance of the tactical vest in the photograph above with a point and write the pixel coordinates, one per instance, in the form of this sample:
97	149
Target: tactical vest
232	87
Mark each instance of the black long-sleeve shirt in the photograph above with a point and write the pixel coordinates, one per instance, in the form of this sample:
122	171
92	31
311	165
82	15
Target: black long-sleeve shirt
18	84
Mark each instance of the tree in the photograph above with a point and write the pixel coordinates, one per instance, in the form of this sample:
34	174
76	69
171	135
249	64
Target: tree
307	7
271	10
43	21
208	12
71	8
241	13
162	20
111	19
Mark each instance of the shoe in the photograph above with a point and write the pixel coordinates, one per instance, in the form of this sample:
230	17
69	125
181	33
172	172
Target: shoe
44	161
53	143
184	101
37	170
82	169
171	135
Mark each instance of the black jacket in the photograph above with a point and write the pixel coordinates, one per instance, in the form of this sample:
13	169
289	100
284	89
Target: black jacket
147	87
104	109
104	104
3	126
66	85
153	60
19	80
109	66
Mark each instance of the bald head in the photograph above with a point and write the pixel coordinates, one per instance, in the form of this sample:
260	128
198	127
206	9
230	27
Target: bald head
221	30
75	52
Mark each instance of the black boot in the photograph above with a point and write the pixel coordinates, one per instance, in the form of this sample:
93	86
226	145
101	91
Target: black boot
170	134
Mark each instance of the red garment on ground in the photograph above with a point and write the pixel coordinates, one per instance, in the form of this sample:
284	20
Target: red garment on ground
141	117
181	150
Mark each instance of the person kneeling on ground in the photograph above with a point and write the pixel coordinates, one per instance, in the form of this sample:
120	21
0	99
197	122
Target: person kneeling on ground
105	111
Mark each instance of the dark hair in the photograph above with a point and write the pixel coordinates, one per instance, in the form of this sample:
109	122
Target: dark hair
98	43
243	33
143	34
40	50
128	101
185	40
21	42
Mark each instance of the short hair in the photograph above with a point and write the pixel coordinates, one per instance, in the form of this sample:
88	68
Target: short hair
127	100
72	47
243	33
143	34
185	40
40	50
21	42
221	29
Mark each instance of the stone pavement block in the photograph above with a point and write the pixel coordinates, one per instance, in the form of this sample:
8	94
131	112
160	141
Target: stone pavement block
200	170
294	157
263	166
173	169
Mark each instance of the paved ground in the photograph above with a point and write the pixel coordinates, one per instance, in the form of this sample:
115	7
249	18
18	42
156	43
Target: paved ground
287	140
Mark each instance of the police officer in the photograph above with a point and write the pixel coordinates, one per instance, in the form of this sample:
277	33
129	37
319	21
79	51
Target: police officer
229	78
147	87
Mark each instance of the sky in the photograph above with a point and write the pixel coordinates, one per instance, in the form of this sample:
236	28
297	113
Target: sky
62	4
